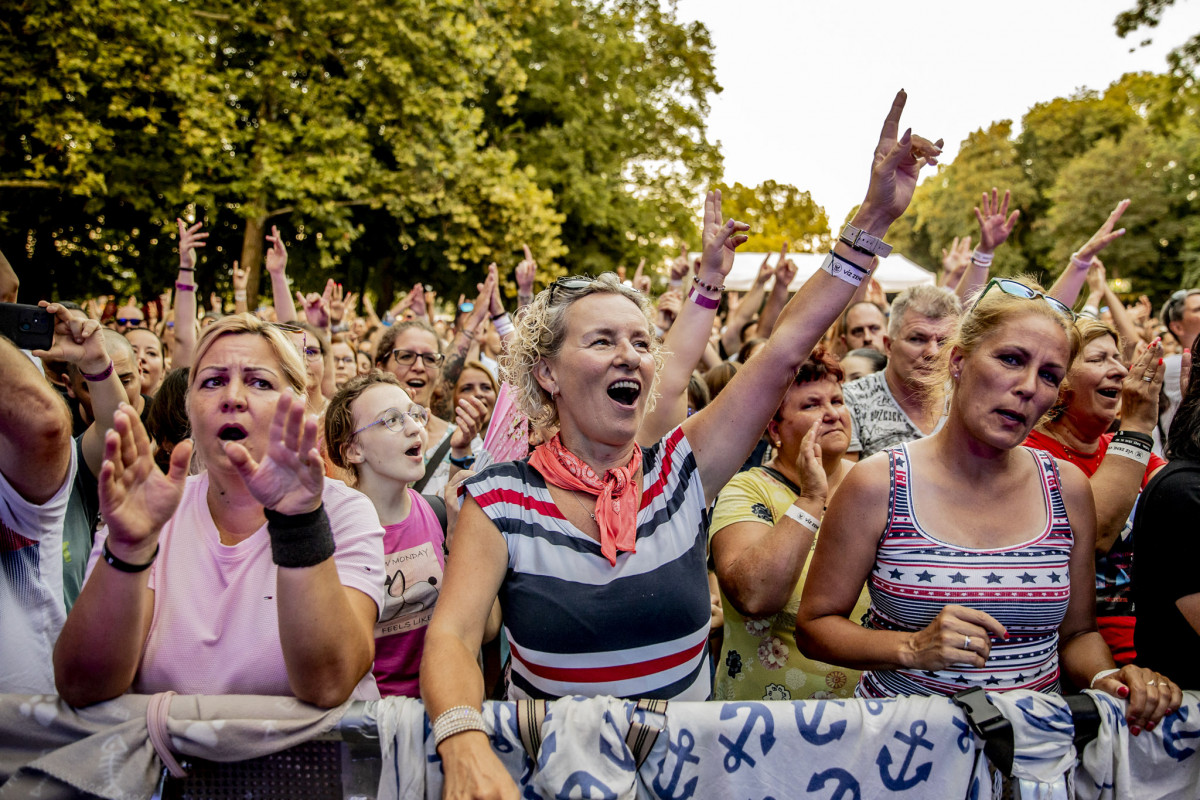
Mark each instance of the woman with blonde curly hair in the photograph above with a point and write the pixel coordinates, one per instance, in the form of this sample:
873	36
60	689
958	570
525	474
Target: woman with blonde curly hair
595	546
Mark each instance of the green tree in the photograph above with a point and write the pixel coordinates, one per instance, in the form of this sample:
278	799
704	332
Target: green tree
777	213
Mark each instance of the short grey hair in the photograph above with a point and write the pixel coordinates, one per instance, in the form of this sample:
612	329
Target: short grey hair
927	300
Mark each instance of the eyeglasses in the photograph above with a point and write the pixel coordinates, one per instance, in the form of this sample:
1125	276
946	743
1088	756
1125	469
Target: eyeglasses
1018	289
343	359
407	358
133	321
393	419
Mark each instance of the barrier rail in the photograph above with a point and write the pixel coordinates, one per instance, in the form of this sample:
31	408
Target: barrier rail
827	750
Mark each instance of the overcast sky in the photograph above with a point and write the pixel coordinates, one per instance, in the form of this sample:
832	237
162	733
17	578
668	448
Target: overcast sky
807	84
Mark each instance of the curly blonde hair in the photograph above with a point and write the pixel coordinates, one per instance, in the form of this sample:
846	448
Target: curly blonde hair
540	333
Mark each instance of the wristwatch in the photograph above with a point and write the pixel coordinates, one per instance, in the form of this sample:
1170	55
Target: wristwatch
864	242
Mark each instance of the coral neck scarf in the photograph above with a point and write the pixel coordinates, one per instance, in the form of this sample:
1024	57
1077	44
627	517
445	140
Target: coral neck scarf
618	495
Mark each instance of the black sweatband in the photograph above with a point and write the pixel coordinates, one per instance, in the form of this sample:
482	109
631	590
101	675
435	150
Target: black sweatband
125	566
299	540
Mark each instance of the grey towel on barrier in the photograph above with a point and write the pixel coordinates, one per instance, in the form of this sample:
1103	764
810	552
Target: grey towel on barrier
52	751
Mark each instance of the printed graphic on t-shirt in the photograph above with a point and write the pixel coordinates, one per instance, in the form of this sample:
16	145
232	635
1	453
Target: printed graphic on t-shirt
414	580
878	422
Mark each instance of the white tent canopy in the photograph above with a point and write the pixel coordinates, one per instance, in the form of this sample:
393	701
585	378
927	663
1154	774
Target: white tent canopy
895	273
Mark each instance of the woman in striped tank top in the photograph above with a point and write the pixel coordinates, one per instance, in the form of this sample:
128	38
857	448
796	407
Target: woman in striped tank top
977	552
595	546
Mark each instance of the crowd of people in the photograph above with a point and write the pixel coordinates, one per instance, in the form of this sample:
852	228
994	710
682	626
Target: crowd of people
297	499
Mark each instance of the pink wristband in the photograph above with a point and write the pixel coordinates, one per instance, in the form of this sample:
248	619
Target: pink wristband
99	376
702	301
185	287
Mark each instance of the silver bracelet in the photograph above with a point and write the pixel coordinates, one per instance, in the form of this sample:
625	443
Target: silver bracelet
1104	673
456	720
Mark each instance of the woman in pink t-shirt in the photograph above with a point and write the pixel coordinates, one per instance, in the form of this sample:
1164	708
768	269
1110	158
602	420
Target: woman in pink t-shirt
242	592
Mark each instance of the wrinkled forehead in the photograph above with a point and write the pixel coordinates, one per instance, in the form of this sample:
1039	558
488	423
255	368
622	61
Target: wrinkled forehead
915	322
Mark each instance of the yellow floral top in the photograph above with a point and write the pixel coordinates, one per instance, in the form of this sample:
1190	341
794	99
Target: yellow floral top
759	657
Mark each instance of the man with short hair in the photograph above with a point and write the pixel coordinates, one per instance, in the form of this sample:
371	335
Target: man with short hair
1181	315
129	317
864	325
894	405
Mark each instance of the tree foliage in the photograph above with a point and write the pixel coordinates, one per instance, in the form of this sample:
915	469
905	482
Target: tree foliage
390	142
778	213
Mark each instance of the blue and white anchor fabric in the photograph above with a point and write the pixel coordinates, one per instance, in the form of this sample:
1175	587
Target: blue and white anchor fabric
1043	743
917	747
1157	764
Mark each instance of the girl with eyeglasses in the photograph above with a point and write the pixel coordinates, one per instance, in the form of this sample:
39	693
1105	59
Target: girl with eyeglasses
978	553
377	434
411	351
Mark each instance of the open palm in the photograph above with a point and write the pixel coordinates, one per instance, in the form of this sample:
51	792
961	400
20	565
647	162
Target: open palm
291	477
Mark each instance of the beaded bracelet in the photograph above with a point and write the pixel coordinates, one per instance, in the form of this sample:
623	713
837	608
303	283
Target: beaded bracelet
708	287
458	719
99	376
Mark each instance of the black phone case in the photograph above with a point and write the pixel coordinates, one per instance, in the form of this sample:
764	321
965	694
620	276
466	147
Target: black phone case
29	327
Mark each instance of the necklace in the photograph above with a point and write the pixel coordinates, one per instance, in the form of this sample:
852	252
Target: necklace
581	505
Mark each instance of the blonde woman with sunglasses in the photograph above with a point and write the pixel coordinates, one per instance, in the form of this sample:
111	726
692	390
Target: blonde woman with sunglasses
977	552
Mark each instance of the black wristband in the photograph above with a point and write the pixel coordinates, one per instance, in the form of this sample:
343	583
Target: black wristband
500	315
299	540
465	462
1136	436
125	566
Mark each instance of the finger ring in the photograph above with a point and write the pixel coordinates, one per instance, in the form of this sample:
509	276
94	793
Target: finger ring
1152	683
1148	378
967	643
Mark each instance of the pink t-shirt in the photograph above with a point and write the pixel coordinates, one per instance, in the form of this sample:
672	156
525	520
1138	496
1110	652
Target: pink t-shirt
414	560
215	628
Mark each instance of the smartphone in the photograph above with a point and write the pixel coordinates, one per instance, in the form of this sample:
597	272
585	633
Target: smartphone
29	327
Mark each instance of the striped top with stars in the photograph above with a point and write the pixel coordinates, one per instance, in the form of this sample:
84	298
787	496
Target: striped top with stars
1025	586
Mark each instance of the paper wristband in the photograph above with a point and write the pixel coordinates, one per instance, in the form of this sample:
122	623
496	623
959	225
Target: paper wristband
1128	450
843	270
802	517
701	300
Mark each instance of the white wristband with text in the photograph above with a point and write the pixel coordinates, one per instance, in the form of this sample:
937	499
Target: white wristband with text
1127	450
844	270
802	517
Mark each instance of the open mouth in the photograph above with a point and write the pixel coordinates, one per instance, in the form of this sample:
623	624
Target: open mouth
625	392
1012	415
1111	394
231	433
414	451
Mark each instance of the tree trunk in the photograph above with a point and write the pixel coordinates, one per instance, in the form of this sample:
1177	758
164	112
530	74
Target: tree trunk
252	257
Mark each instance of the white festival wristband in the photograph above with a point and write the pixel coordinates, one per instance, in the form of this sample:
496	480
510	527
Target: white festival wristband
844	270
802	517
1127	450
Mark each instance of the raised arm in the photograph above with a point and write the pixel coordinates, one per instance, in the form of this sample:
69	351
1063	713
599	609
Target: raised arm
955	262
785	273
239	279
35	428
725	432
1127	329
275	261
81	342
1067	287
97	654
995	226
746	308
526	275
185	293
685	341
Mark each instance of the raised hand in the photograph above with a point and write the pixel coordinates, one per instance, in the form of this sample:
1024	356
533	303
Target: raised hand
1140	389
291	476
240	278
814	484
1103	237
417	296
641	281
957	635
526	273
956	259
136	498
495	306
337	304
764	273
316	306
669	304
896	167
75	341
189	239
482	303
276	256
995	223
785	270
468	420
680	266
1096	277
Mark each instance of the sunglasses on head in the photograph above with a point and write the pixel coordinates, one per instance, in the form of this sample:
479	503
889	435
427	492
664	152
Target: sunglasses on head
1018	289
570	283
